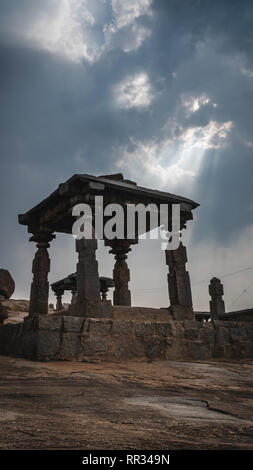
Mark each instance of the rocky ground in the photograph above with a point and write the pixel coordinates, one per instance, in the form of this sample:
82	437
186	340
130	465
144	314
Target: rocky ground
126	405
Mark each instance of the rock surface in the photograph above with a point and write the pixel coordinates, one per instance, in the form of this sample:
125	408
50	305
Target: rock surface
7	284
129	405
15	310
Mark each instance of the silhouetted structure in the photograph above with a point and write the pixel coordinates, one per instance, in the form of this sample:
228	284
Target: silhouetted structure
54	214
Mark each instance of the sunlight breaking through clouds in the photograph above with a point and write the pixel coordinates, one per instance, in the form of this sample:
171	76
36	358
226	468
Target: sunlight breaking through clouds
134	92
124	28
66	31
85	29
171	161
206	137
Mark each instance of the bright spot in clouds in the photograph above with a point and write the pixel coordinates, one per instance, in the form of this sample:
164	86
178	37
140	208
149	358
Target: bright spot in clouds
206	137
134	92
66	32
173	161
194	103
81	29
126	12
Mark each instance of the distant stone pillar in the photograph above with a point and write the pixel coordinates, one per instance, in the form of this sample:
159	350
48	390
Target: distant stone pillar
217	306
121	273
74	296
59	294
179	284
87	279
41	267
104	291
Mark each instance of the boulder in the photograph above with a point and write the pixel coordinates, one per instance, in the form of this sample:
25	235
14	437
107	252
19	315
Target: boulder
7	284
3	315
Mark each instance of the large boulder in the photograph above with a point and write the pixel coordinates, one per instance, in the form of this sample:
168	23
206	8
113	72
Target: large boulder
3	315
7	284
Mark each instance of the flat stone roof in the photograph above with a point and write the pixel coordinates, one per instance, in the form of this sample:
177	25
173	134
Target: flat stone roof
115	183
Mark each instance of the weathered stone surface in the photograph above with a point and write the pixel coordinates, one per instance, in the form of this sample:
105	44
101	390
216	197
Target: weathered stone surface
87	280
3	314
92	346
27	325
193	324
99	309
41	267
245	350
70	346
191	334
45	322
163	328
249	329
8	334
7	284
73	324
29	345
238	334
48	345
175	329
179	284
128	347
219	352
217	306
122	328
121	273
144	328
124	313
180	313
198	350
175	349
207	334
51	323
222	336
155	347
99	327
40	337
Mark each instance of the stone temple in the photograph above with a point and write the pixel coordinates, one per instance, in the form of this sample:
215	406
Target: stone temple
94	328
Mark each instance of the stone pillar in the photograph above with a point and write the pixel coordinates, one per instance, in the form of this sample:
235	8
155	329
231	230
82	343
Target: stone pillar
74	296
104	291
217	306
87	280
41	267
179	284
59	294
121	274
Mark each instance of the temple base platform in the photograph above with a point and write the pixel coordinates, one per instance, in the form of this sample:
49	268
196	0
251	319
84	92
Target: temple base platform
140	333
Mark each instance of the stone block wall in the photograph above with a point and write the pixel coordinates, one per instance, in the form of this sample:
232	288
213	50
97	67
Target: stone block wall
46	338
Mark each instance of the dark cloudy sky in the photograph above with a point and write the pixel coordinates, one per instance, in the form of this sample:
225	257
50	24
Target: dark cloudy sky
161	90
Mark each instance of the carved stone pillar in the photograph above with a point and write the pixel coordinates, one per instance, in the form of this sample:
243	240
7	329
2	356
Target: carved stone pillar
59	295
217	306
40	269
87	281
105	284
121	274
179	284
